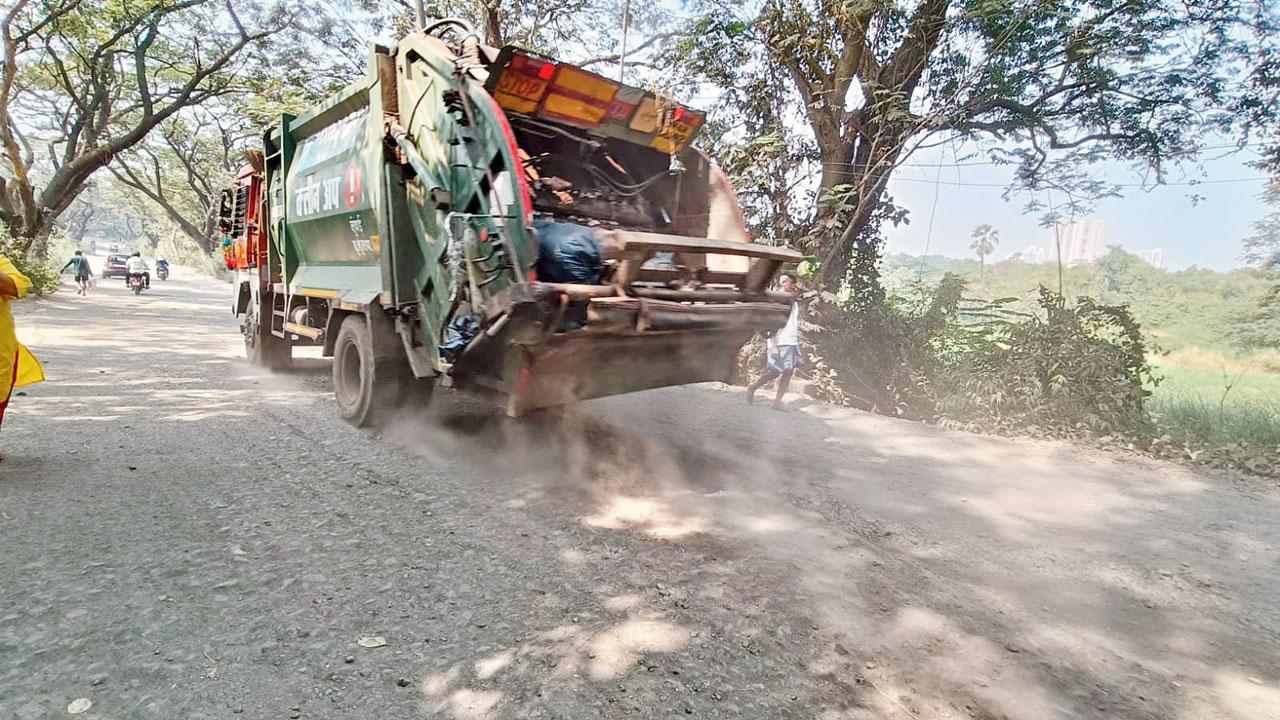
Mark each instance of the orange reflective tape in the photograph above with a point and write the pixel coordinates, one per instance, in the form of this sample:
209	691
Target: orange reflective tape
577	96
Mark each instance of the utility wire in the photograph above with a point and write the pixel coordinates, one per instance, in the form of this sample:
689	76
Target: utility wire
991	163
1189	183
933	211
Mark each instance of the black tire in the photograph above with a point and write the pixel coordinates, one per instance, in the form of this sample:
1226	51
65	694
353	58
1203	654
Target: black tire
264	349
368	385
137	289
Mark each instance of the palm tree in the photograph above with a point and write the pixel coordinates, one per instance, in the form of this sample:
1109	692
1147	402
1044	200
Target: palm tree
985	239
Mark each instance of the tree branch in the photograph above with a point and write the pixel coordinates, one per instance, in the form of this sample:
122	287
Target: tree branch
631	51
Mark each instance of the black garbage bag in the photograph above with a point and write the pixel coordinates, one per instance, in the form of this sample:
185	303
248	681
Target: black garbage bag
569	253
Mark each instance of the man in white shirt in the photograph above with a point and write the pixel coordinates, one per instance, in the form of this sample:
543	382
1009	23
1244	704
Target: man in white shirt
135	265
783	355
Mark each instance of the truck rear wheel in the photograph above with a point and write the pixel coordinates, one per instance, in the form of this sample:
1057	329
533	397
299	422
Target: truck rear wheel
264	349
367	387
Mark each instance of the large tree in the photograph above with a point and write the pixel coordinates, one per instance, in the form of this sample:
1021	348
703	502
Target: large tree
1262	247
84	81
846	90
183	167
183	164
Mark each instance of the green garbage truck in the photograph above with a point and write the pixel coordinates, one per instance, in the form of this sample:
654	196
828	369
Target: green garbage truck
493	220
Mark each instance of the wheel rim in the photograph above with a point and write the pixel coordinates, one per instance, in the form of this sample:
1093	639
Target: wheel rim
349	374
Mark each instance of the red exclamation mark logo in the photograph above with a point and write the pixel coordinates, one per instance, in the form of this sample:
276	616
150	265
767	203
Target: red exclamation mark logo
351	190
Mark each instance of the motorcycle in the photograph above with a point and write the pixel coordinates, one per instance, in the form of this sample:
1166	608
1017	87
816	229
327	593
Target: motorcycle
162	272
135	283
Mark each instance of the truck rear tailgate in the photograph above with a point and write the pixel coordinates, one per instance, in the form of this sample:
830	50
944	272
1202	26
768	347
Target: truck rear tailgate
645	327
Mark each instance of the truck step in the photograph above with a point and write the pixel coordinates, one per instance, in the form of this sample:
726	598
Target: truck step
304	330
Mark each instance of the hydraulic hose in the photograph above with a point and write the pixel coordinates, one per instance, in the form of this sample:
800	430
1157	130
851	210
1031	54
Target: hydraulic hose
459	22
401	138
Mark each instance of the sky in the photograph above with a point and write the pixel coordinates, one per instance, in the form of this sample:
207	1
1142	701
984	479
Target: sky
1206	233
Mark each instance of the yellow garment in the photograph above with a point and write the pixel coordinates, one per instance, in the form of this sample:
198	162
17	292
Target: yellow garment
29	370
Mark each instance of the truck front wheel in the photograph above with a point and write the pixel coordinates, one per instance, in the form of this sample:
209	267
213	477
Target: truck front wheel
367	388
264	349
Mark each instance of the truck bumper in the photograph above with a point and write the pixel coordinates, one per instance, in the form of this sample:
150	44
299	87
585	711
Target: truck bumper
627	344
584	364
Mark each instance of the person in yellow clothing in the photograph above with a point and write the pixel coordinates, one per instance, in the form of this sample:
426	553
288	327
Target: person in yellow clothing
18	366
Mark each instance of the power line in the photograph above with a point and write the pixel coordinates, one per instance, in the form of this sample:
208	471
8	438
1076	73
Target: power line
991	163
1189	183
933	212
970	164
920	165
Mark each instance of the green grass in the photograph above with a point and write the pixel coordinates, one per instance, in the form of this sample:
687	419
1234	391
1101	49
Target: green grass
1196	404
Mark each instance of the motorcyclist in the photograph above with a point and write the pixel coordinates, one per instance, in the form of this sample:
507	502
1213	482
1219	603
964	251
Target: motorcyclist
135	265
162	265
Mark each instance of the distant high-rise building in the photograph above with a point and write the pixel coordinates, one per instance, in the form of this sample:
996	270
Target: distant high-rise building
1081	242
1154	256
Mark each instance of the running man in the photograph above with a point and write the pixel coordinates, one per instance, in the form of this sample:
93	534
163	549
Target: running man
83	272
783	354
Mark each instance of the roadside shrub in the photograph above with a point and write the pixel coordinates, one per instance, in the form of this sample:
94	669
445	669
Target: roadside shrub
936	355
1066	369
43	275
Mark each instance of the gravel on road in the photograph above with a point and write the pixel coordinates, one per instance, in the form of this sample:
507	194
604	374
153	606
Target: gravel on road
187	536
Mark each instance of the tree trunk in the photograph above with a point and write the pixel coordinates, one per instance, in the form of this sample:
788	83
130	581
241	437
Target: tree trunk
868	170
493	24
38	249
30	235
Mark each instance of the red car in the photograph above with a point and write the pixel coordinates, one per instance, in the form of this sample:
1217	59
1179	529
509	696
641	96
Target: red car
114	266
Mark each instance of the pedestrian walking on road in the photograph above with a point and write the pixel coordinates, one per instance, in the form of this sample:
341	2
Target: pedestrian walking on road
83	272
18	366
783	354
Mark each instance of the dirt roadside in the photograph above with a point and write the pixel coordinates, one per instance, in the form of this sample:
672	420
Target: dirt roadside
186	536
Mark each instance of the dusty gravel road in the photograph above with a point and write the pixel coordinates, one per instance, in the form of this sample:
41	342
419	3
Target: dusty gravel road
187	537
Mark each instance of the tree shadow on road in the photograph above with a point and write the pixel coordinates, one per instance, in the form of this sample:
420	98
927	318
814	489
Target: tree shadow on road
949	572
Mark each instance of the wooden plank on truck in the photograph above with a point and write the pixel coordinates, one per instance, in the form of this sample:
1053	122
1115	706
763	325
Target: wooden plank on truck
627	243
